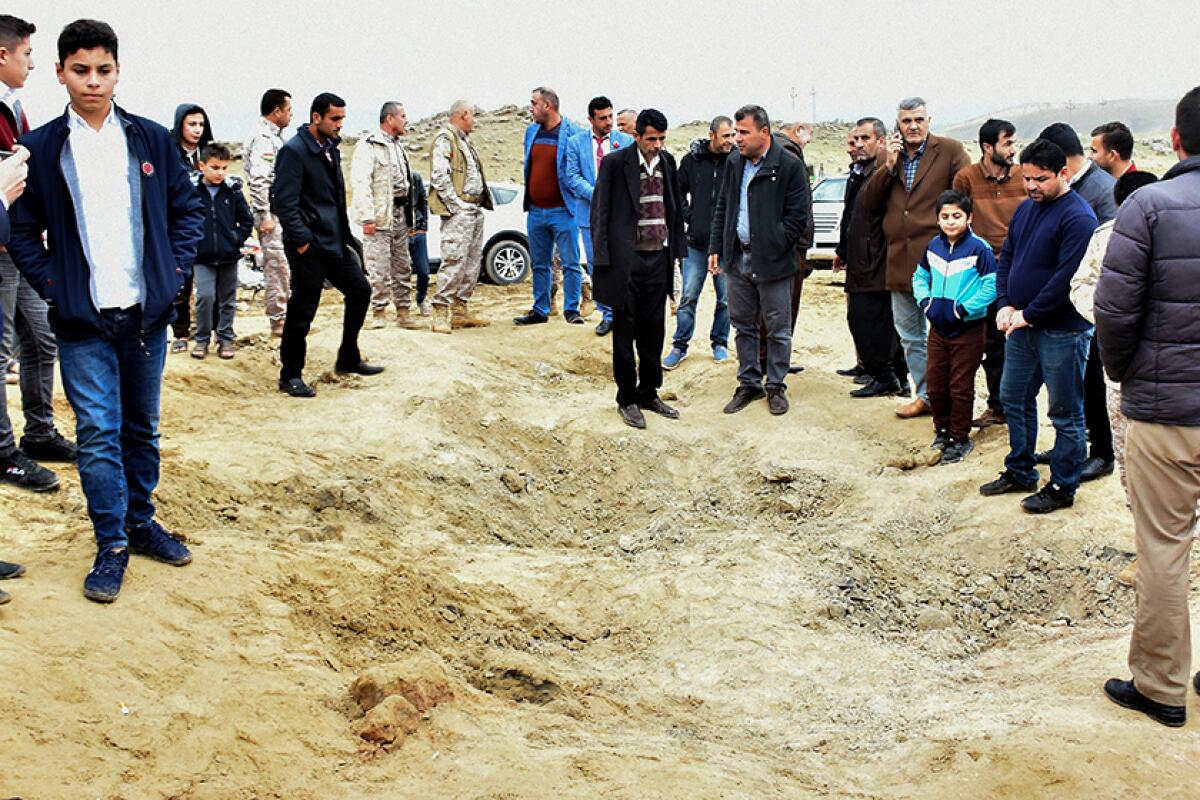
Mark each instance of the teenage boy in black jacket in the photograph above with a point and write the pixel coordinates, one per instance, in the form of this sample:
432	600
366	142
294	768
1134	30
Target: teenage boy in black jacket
227	224
309	198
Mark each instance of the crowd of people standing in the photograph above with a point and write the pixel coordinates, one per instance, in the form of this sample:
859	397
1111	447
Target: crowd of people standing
1014	263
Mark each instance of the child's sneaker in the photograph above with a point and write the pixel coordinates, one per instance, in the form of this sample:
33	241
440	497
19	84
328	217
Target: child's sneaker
956	451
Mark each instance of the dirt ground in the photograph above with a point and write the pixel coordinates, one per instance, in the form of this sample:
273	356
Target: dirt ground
465	578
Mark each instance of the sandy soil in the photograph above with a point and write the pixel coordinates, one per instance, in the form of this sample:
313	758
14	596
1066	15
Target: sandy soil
532	600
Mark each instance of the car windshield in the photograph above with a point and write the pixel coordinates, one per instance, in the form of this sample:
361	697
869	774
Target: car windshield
503	196
830	190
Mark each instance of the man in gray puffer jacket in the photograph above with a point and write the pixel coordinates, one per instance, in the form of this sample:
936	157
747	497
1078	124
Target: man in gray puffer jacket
1148	321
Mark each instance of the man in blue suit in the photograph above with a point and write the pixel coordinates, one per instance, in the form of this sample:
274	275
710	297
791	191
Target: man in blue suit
584	153
549	221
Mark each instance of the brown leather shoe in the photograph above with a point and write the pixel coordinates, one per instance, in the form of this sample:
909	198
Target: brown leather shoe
918	407
989	418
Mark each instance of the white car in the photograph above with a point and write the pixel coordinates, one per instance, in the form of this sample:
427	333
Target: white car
828	195
505	246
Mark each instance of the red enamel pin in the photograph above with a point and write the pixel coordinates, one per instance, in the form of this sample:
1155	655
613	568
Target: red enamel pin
147	169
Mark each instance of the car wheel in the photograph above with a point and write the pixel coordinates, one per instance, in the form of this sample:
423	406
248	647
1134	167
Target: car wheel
507	261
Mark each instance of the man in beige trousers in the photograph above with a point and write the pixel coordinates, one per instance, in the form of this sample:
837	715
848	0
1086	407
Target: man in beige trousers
1148	322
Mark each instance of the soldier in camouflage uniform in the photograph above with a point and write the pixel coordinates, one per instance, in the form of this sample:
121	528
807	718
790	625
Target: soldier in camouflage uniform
258	158
459	195
382	187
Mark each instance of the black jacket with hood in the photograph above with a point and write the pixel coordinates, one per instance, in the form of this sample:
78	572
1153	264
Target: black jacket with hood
182	110
699	179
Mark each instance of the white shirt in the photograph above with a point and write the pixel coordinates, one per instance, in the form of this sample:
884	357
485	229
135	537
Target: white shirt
102	165
605	148
647	166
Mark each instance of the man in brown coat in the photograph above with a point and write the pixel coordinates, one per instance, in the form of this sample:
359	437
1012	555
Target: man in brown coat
914	170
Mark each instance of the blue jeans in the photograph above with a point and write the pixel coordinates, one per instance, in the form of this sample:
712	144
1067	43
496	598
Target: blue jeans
114	384
419	252
548	227
695	270
586	233
1057	359
912	329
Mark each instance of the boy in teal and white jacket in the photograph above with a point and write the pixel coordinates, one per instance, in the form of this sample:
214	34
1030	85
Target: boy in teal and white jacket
954	284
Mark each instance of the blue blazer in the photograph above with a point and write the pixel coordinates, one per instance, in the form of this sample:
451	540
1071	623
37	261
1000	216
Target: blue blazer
565	131
167	224
581	172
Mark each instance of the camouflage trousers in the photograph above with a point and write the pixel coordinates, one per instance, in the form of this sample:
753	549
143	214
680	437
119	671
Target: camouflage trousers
389	265
1120	424
276	277
462	257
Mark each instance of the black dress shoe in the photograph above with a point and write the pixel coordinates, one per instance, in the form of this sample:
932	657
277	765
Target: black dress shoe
659	407
531	317
1095	468
1042	457
9	570
632	416
56	448
853	372
604	327
863	380
1007	482
573	317
877	389
1196	682
795	369
744	396
361	368
1052	497
777	402
1126	695
296	388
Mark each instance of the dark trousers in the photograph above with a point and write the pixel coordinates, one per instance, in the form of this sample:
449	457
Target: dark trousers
1095	407
640	324
869	315
182	326
950	377
309	272
797	290
418	251
993	361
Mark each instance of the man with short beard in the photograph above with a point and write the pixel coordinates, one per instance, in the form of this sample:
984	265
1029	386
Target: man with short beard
996	190
863	252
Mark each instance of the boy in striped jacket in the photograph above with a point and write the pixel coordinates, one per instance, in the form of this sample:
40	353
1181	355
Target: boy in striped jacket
954	284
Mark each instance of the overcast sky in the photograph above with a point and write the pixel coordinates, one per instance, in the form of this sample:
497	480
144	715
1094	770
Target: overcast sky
690	59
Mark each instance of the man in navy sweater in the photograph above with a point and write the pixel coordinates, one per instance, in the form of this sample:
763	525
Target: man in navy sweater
1047	339
110	287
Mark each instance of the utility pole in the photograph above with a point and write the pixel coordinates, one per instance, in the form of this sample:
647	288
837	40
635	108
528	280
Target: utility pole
1071	111
794	96
813	92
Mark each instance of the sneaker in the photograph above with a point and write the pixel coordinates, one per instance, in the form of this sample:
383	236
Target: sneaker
940	440
295	387
720	353
8	570
1006	483
1052	497
673	358
379	319
1094	468
103	583
742	397
19	470
56	448
956	451
1126	695
154	541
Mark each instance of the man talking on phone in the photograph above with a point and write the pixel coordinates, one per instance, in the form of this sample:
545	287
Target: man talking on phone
916	167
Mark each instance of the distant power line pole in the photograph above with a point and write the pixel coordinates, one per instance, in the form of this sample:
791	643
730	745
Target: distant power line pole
794	96
1071	111
813	92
